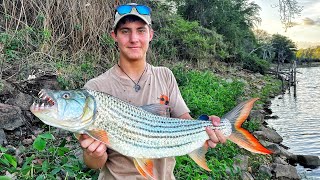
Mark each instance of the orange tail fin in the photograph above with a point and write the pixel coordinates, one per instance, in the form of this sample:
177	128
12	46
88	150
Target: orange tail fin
241	136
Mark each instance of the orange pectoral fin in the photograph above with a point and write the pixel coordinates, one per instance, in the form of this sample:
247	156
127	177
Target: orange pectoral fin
199	156
100	135
145	167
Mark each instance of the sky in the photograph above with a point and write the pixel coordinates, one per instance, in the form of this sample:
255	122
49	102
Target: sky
306	30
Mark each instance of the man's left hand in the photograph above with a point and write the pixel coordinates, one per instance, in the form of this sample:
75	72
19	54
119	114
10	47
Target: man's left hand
216	135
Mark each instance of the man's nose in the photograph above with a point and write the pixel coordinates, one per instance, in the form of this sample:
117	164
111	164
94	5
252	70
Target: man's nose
134	36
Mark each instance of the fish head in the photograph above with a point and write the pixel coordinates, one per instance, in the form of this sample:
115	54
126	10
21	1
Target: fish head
70	110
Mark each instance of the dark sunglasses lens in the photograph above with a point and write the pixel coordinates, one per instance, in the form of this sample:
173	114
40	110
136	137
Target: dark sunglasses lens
124	9
143	10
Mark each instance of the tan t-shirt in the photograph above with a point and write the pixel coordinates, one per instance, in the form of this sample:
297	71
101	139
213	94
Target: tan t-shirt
158	85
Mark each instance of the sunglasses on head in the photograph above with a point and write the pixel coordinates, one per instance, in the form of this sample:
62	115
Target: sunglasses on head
141	9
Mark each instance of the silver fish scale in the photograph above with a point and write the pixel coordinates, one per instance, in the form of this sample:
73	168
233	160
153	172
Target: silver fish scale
135	132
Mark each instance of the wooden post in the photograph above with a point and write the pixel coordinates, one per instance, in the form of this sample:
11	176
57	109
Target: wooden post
295	79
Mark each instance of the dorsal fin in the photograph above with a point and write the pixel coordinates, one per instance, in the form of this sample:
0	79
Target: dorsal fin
157	109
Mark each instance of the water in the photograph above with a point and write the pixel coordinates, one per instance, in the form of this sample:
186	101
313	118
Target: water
299	118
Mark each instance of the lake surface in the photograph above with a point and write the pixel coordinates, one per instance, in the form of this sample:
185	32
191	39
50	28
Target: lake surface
299	118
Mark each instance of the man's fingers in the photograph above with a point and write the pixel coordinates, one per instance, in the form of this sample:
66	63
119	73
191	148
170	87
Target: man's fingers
220	136
85	143
93	146
215	120
216	136
212	144
212	135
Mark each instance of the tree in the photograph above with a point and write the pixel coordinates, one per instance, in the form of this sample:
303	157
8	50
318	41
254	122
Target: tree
283	48
231	18
264	48
288	9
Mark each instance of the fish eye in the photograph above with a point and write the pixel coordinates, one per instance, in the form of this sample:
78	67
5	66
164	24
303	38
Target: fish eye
66	96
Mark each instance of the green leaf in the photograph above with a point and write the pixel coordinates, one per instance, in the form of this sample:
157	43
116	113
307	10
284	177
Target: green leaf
63	143
2	149
12	160
55	171
4	161
41	177
25	169
4	178
45	166
47	136
62	151
39	143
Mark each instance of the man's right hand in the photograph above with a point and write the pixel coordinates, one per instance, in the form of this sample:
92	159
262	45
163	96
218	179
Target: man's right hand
94	152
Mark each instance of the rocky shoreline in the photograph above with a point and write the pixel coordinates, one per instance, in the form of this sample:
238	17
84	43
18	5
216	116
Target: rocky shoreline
282	165
17	126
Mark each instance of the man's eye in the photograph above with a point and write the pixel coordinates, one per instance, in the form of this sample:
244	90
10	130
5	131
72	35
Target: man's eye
142	30
124	31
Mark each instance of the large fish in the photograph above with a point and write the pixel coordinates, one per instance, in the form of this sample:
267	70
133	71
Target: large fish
144	133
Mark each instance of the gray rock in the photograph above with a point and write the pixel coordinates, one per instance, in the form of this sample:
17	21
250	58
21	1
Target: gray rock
278	150
21	100
246	176
257	115
264	169
308	161
7	89
280	160
285	171
3	139
241	162
268	134
10	117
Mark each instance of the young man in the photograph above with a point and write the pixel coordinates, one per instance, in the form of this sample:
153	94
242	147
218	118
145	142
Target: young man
139	83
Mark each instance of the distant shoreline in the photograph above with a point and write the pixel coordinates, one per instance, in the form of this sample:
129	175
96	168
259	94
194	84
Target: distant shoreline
311	64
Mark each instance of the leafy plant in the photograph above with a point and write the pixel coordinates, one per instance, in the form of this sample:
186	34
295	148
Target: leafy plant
48	159
205	93
6	159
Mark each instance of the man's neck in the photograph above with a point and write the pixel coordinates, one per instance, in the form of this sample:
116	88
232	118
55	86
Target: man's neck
134	69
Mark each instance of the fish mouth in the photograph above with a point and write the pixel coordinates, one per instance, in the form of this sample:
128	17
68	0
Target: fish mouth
43	102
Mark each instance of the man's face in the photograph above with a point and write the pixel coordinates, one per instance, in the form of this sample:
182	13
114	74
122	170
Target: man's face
133	40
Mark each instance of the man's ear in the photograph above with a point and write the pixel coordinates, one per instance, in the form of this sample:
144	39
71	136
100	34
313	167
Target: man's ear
114	35
151	34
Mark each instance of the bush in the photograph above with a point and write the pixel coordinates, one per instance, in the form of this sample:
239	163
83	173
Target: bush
47	159
255	64
187	41
206	93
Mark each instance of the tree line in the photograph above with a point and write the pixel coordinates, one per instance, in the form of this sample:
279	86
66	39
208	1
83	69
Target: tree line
58	36
309	54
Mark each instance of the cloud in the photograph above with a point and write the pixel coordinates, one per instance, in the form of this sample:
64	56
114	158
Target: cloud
308	21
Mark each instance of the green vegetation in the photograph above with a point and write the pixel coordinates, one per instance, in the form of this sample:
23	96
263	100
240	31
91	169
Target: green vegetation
308	55
46	159
206	93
